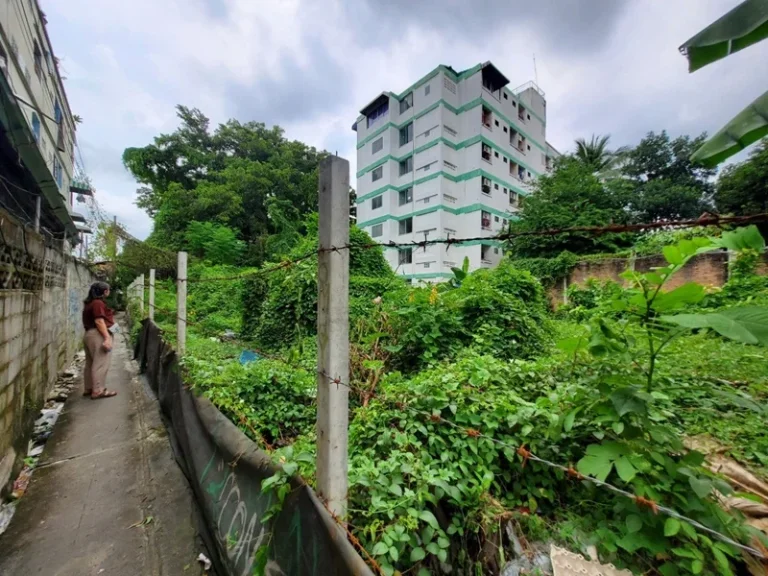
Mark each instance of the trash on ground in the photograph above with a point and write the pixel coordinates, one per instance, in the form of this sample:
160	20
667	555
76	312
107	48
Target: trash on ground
6	513
203	559
566	563
21	483
248	356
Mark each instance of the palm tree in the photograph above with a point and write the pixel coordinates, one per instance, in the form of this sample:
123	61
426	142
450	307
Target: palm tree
596	154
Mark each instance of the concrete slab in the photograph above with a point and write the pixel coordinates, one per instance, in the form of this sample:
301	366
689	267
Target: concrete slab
107	497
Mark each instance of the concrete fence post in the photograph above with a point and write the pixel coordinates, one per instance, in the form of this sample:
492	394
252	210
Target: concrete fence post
152	294
181	304
333	335
140	290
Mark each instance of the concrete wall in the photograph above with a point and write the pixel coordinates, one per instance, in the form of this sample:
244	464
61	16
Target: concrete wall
41	293
709	269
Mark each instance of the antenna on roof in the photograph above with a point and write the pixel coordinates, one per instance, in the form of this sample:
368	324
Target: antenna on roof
535	72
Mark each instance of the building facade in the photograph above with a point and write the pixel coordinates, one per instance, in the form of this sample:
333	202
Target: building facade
37	144
453	156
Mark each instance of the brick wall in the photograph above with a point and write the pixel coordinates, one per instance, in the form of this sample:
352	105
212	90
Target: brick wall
708	269
41	293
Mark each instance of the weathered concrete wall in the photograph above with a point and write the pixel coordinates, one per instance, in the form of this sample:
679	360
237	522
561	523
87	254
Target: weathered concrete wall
708	269
41	293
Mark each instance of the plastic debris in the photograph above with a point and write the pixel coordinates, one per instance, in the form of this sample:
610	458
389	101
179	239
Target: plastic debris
21	483
566	563
6	513
248	356
36	451
203	559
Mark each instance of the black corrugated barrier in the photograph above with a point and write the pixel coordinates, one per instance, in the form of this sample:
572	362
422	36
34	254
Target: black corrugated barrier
225	470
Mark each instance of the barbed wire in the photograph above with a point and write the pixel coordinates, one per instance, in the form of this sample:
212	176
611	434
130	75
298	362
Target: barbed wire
521	451
709	220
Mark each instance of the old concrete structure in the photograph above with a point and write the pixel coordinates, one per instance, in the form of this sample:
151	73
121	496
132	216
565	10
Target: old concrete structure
41	294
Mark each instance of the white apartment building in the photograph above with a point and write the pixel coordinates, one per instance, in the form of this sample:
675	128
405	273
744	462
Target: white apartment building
37	129
453	156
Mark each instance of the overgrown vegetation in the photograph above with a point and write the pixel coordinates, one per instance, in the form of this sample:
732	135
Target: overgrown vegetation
449	381
629	380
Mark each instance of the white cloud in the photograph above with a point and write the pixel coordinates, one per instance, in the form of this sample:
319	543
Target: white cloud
311	65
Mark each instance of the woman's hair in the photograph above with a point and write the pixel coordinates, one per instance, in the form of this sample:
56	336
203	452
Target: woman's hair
96	292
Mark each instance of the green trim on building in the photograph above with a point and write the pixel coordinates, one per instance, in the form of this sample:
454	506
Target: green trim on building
460	178
477	207
427	275
465	108
459	146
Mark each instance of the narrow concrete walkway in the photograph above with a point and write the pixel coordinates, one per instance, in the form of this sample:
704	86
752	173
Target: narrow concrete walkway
107	497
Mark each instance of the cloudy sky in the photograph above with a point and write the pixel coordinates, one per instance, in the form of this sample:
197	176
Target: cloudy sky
607	67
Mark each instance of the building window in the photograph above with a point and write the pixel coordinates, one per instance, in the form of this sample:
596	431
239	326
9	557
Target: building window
495	218
377	230
485	220
406	134
426	264
505	129
406	226
505	190
529	146
406	102
505	96
58	174
377	173
38	57
486	117
496	122
529	174
377	202
529	116
485	185
486	152
495	186
377	114
36	126
505	159
406	165
405	256
495	250
450	86
496	154
405	196
377	145
426	90
514	103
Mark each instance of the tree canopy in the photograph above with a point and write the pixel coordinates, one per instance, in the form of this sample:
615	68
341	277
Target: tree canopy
667	185
243	176
742	189
572	195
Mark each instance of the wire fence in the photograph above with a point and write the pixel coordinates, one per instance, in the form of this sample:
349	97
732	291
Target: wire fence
524	454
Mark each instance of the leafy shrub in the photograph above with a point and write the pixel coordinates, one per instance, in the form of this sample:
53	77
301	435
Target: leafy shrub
288	297
501	311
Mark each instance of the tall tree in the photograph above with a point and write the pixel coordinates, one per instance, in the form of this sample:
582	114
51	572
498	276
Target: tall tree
742	189
245	176
572	195
596	155
667	185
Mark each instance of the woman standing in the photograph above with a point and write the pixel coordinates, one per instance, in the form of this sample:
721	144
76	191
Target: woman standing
97	321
